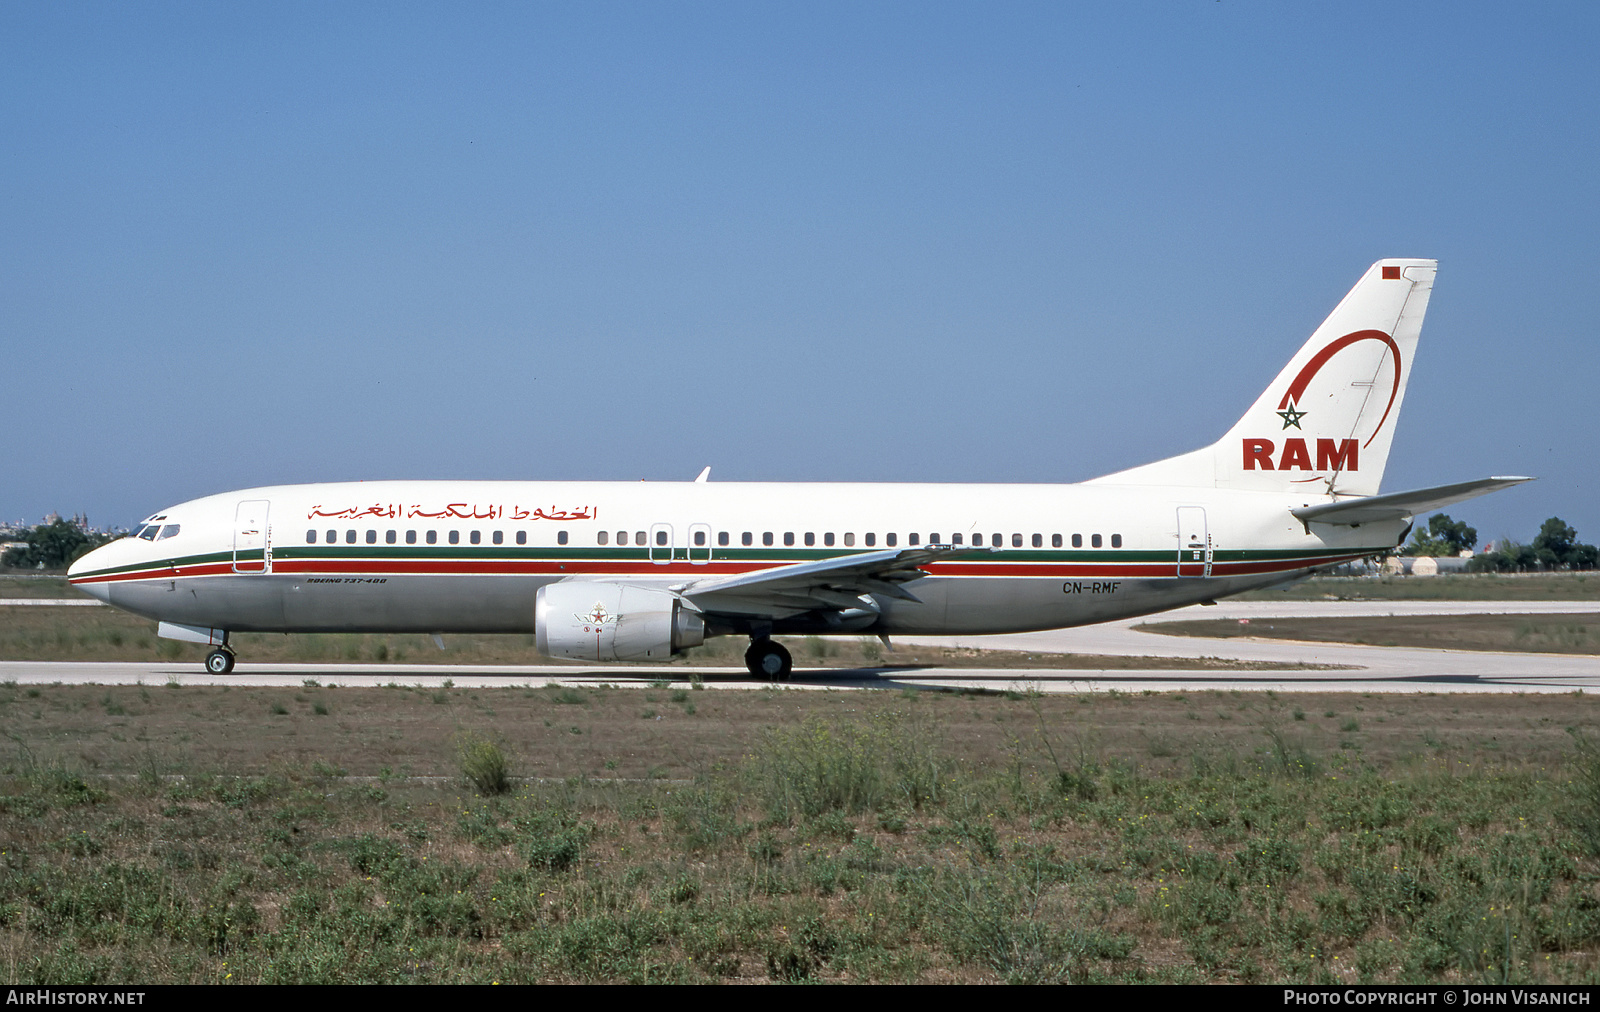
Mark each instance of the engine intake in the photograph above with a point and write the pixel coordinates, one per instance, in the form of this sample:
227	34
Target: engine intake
613	622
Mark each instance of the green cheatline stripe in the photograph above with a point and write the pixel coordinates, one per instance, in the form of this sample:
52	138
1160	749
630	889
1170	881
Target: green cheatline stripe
504	553
182	560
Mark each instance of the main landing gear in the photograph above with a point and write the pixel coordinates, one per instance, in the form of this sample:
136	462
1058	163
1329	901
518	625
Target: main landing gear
768	660
219	661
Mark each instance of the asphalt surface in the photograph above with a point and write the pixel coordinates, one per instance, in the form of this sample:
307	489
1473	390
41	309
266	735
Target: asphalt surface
1352	668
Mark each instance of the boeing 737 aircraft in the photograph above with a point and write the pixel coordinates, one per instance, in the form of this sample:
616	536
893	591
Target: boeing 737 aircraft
613	571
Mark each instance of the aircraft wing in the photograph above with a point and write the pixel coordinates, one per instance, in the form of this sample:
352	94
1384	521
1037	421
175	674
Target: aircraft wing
1399	505
836	583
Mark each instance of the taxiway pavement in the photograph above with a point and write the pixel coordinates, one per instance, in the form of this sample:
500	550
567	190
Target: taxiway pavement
1351	668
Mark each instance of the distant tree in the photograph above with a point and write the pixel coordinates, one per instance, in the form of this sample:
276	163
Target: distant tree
1443	537
1557	545
1507	557
56	545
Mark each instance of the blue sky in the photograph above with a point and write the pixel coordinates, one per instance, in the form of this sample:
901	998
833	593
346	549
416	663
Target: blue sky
909	242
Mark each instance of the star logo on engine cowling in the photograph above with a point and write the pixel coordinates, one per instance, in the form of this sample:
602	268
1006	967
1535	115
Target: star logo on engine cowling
1291	416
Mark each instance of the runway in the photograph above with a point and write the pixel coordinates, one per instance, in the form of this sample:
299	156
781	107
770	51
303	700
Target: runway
1359	668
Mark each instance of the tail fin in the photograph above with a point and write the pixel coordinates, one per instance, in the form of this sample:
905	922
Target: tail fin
1325	424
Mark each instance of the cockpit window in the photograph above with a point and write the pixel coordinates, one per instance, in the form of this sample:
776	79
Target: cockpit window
148	532
169	531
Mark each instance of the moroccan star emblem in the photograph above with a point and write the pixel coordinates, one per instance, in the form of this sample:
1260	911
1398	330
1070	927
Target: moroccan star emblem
1291	416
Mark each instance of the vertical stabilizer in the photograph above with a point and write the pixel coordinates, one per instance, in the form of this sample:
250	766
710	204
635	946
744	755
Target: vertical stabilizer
1325	424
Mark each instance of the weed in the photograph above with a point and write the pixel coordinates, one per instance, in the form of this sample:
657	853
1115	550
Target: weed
1583	791
483	763
852	766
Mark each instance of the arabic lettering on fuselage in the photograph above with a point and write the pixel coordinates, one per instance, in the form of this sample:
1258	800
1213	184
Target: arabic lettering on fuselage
455	511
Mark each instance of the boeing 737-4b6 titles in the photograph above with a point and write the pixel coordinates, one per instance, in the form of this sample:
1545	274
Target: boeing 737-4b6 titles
603	571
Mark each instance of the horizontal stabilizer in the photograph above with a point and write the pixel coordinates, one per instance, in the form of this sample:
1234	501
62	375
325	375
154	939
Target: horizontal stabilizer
1399	505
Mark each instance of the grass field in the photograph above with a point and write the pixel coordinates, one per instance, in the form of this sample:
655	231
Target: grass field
1454	587
162	834
1557	634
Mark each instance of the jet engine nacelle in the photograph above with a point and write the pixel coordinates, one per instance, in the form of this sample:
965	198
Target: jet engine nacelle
613	622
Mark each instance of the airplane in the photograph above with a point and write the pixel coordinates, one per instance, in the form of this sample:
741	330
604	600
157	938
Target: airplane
640	571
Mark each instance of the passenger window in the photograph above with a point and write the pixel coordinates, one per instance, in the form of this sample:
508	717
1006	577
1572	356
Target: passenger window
889	539
955	539
333	537
1077	541
638	538
499	537
622	537
661	537
766	538
1094	541
747	539
388	537
522	537
1016	541
827	540
311	537
998	540
1116	541
603	537
872	539
411	537
722	538
475	537
913	540
433	537
811	539
788	539
1055	541
561	537
1038	541
350	537
849	540
372	537
699	538
455	537
933	539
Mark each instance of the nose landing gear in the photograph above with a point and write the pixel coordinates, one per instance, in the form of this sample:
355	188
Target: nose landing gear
768	661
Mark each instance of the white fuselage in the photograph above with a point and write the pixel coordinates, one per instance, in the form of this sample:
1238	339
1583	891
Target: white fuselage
443	556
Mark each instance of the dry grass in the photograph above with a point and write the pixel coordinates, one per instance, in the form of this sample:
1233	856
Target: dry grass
194	835
1559	634
646	732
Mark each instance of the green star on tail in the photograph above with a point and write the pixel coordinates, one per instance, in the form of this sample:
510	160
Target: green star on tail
1291	416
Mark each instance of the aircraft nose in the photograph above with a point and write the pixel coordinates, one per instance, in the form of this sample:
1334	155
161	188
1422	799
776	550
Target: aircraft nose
100	590
88	564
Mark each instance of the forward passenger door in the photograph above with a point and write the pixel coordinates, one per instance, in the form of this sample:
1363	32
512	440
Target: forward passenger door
251	551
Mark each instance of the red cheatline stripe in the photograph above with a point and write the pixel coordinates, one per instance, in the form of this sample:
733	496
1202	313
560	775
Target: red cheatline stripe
465	567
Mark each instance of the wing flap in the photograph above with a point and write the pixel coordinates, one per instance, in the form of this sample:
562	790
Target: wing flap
835	583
